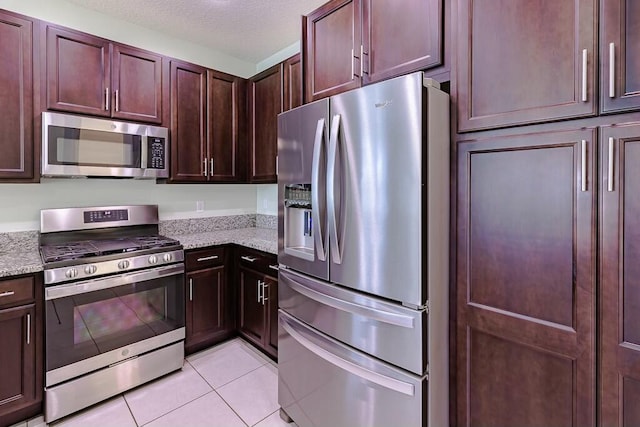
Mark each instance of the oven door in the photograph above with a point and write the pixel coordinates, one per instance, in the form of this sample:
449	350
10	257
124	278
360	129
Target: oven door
97	323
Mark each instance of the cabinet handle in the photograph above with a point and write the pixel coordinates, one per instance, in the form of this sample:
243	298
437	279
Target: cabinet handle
28	329
584	165
612	71
190	289
117	101
205	167
361	60
274	267
106	99
207	258
259	291
7	294
353	76
264	287
248	258
211	167
277	165
610	172
584	75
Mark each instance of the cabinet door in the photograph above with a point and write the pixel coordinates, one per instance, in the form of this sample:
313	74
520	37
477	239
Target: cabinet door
188	107
331	46
17	359
292	82
223	120
620	276
620	55
526	280
265	103
206	305
16	99
271	302
523	61
137	84
400	38
78	72
252	321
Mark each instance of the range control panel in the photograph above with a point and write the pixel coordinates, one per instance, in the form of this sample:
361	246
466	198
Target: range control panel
106	216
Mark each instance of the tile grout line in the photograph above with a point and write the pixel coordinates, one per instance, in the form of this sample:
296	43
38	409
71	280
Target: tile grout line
130	411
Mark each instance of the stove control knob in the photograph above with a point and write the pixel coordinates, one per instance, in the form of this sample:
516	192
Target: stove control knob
167	257
153	259
90	269
123	264
71	273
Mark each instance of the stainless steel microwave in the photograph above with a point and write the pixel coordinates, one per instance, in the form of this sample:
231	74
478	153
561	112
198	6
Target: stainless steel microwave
84	146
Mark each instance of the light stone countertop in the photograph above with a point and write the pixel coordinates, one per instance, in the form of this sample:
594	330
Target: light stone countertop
26	258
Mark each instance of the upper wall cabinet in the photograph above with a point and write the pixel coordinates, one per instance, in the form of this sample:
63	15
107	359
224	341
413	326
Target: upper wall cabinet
292	76
523	61
90	75
16	98
347	43
619	55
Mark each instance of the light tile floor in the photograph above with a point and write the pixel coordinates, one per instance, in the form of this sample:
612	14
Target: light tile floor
229	385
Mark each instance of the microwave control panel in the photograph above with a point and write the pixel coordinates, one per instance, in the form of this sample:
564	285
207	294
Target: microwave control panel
156	153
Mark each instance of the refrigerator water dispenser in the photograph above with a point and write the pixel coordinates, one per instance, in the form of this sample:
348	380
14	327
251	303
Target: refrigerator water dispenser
298	225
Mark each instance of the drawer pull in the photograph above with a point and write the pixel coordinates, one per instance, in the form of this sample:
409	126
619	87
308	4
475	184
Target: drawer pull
7	294
28	329
207	258
274	267
248	258
190	289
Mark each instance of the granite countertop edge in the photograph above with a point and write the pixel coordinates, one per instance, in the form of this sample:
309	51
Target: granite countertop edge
16	263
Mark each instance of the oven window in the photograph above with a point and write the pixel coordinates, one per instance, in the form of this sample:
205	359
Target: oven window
90	324
82	147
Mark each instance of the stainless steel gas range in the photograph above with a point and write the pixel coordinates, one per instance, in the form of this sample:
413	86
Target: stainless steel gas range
114	303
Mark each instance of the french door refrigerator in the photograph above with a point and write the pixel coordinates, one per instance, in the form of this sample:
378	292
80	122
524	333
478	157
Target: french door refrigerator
363	232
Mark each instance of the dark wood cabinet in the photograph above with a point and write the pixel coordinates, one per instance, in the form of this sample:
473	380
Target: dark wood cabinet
525	61
400	38
619	55
619	276
331	40
209	311
21	352
526	279
265	103
258	299
90	75
292	77
18	159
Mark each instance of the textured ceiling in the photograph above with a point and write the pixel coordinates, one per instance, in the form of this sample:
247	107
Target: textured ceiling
250	30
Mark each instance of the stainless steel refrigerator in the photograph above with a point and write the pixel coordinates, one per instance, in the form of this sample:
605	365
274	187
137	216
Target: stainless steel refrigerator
363	248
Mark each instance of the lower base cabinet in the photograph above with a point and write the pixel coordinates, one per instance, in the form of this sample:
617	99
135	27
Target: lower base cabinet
21	349
258	299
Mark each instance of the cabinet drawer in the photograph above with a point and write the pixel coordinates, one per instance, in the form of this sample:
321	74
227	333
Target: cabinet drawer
204	258
259	261
16	291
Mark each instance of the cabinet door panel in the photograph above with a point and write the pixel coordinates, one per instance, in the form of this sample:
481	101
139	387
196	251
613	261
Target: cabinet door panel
332	40
252	313
620	31
224	93
78	72
137	84
265	103
206	294
400	39
619	275
522	61
292	83
525	281
188	107
16	98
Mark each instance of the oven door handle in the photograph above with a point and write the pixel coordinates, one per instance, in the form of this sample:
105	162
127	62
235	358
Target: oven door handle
62	291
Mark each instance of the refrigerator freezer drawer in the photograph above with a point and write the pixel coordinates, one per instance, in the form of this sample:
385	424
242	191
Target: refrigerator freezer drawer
322	382
390	332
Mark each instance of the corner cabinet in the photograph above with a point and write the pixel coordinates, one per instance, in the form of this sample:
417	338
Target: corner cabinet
18	160
265	103
22	351
525	61
90	75
526	285
209	311
258	299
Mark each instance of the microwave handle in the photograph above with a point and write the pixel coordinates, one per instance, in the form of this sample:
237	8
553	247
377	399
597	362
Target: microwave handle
144	152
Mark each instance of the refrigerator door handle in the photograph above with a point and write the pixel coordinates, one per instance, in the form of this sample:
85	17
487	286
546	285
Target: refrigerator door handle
352	368
350	307
316	190
331	196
